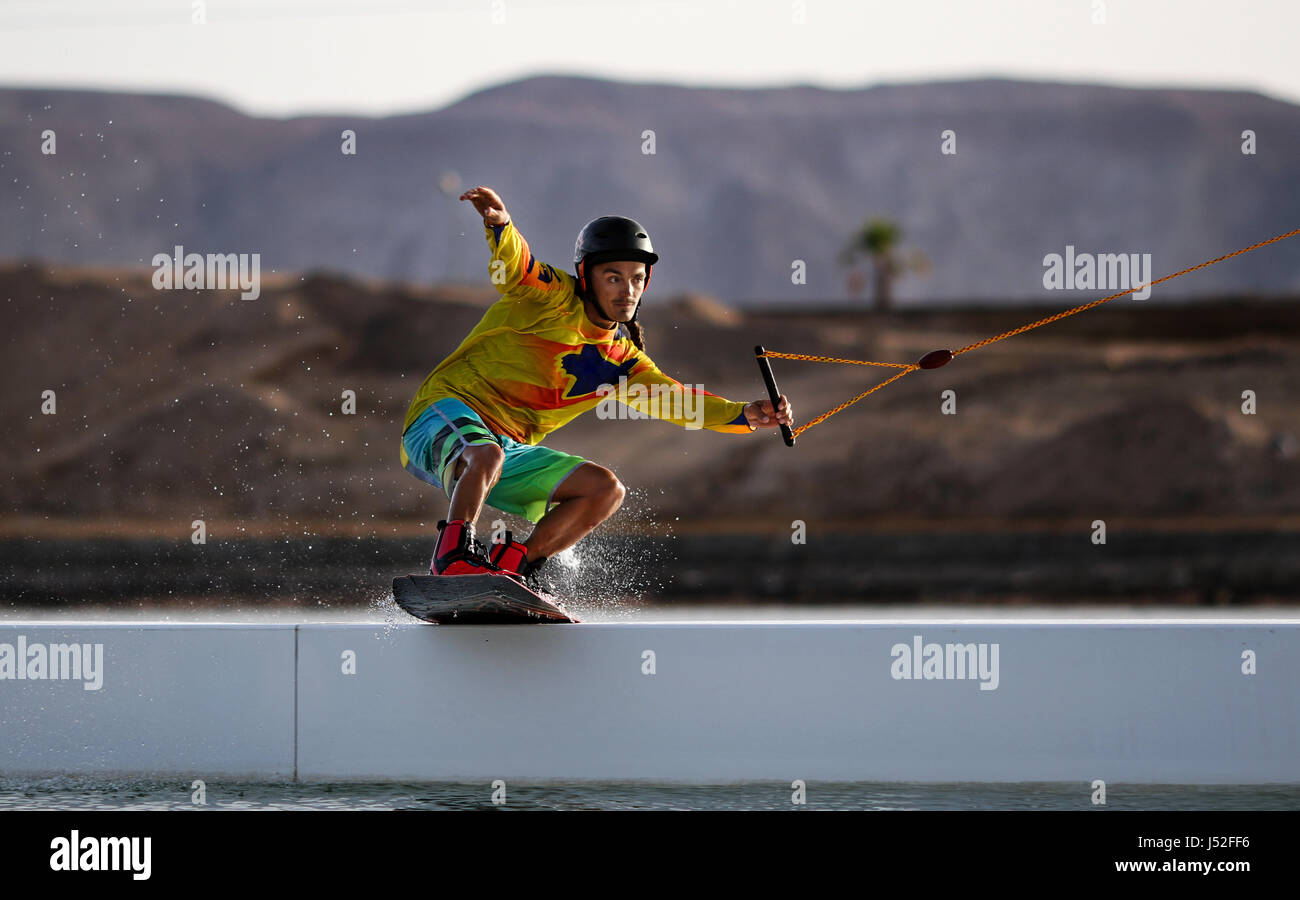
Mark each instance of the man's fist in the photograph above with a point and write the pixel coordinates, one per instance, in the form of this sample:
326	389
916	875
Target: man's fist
488	204
761	414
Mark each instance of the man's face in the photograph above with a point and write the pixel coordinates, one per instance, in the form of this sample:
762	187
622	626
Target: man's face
618	287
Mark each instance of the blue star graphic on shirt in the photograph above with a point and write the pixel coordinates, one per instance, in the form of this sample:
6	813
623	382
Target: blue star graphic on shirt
591	370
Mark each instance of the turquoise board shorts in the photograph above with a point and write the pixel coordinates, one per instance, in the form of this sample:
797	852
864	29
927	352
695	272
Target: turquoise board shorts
530	473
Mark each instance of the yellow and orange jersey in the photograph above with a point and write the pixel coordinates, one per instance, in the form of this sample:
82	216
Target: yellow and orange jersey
536	361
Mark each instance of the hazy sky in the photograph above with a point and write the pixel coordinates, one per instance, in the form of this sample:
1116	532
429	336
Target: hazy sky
283	57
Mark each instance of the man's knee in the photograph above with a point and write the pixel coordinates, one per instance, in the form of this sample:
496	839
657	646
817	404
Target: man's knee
609	488
486	458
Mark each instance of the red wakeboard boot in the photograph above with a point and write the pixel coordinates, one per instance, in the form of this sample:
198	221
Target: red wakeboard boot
511	558
458	553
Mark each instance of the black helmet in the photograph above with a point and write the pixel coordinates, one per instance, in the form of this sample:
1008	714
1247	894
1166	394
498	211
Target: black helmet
609	239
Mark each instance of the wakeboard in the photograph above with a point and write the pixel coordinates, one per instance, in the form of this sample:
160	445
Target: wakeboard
476	600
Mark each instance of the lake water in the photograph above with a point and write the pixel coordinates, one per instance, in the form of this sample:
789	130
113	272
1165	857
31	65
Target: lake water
88	793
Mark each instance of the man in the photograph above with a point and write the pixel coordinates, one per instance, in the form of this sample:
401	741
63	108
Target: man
551	348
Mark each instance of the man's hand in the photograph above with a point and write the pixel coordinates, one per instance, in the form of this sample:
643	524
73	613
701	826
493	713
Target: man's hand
488	204
761	415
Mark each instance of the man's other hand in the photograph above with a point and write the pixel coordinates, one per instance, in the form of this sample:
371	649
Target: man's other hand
488	204
761	415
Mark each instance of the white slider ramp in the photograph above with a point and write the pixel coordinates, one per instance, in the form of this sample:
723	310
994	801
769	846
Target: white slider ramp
927	702
924	701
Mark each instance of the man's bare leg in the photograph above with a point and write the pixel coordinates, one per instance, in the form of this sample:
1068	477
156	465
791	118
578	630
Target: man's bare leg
478	469
588	496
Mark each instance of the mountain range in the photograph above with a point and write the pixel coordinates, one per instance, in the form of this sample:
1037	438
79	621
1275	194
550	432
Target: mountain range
736	186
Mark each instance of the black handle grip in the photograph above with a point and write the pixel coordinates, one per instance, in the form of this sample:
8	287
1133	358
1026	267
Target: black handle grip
765	367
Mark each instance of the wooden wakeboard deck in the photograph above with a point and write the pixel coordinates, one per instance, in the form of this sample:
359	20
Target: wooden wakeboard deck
475	600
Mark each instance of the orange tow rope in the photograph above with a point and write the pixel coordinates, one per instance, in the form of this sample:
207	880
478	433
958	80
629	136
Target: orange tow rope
937	358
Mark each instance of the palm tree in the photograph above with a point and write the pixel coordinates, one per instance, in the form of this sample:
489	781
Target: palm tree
877	240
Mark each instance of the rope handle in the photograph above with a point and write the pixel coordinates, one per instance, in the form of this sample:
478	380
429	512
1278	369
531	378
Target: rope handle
765	368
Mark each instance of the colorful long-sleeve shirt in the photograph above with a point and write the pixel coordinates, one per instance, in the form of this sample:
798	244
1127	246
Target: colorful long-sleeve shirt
536	361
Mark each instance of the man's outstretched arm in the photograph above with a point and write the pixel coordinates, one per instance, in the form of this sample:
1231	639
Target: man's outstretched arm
513	265
663	397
